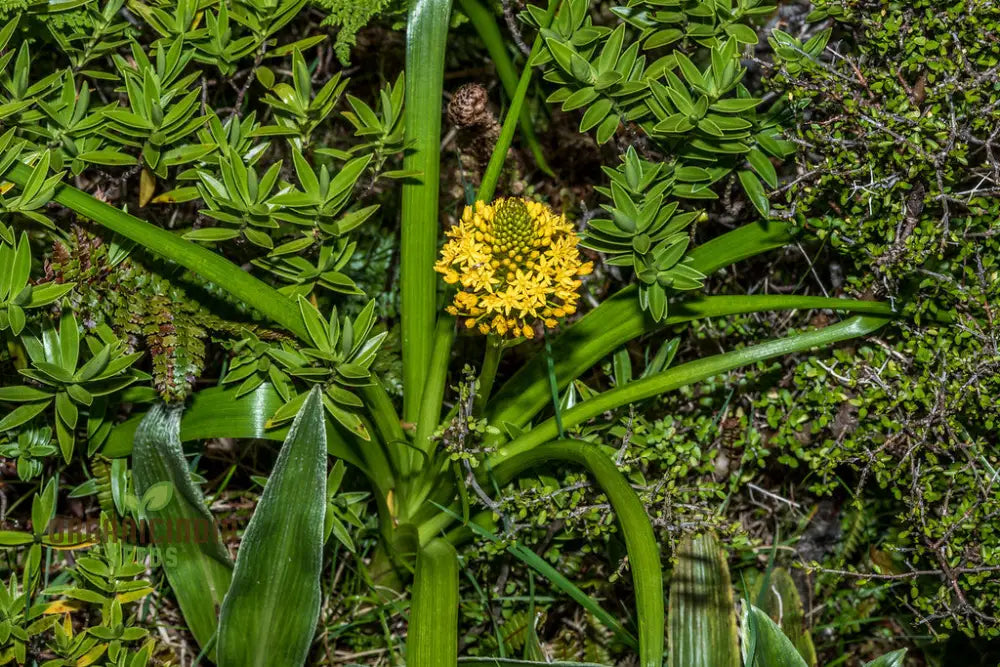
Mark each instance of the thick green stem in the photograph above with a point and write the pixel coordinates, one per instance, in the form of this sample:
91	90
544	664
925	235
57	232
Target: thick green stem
488	373
432	393
204	262
426	42
376	462
683	375
739	244
420	475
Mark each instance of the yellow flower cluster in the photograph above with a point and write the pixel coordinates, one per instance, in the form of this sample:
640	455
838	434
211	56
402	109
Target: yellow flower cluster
515	263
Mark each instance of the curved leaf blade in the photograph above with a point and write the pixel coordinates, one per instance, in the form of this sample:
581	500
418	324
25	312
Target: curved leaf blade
214	268
640	542
619	320
685	374
200	571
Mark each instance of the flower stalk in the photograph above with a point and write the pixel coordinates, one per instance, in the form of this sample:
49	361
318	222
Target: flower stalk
488	373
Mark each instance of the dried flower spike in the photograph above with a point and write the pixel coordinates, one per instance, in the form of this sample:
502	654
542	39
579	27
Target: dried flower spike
516	263
470	106
478	130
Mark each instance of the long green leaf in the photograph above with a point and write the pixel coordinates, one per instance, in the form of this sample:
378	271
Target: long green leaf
739	244
426	42
702	616
197	565
640	542
217	412
685	374
619	320
269	615
204	262
432	639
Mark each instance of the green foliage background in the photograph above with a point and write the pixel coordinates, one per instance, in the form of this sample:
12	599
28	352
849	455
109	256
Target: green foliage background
873	465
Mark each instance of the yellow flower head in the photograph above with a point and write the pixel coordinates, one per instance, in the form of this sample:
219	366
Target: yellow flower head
515	263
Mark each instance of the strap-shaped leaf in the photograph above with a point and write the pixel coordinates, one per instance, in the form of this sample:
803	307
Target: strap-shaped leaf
269	615
199	569
432	639
211	267
701	615
685	374
620	319
426	44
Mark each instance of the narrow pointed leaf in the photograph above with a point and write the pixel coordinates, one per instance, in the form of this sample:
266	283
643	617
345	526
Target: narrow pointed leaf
620	319
755	191
893	659
686	374
208	265
557	579
270	613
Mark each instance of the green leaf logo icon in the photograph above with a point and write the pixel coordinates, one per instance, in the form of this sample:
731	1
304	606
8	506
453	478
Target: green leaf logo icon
156	498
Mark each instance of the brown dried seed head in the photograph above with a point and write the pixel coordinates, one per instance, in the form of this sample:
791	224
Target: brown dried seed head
469	106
